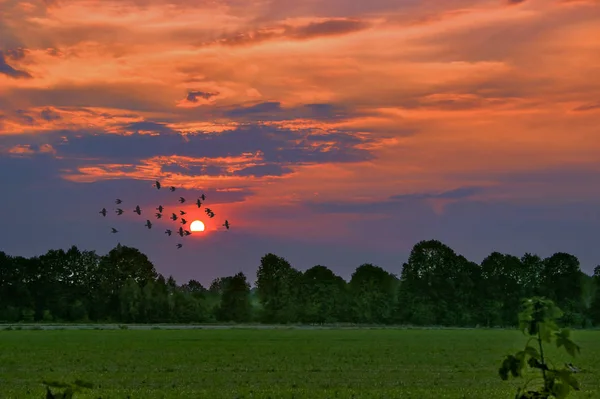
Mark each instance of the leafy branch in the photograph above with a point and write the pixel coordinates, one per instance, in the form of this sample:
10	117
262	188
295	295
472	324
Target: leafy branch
538	320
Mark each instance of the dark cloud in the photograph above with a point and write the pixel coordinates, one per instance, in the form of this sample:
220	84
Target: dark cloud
393	203
49	115
16	54
194	95
24	117
587	107
10	71
276	145
327	28
330	27
264	170
273	111
195	170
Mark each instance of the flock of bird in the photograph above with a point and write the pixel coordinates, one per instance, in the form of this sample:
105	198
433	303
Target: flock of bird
181	231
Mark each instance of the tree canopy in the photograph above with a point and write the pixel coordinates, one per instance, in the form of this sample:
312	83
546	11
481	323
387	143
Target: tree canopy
436	286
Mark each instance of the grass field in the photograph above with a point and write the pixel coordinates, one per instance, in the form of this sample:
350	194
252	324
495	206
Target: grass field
249	363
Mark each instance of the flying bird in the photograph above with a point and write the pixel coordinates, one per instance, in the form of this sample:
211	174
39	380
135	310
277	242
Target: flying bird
209	212
148	224
118	201
179	246
119	211
203	197
182	213
103	212
158	215
172	188
183	221
187	233
180	231
199	203
138	210
160	208
181	200
114	230
157	185
168	232
173	217
226	224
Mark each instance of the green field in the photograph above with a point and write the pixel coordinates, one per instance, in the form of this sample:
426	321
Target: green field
284	363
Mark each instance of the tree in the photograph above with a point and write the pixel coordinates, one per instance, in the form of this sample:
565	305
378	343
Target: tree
277	288
235	299
503	284
595	307
130	297
323	296
437	286
373	292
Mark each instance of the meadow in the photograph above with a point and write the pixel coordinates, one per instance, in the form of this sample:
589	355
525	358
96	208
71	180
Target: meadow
275	363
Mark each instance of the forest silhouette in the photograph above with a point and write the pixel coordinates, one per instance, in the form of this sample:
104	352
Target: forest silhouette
435	286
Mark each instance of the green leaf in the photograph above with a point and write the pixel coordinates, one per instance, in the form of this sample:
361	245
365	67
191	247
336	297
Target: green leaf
560	390
567	377
531	351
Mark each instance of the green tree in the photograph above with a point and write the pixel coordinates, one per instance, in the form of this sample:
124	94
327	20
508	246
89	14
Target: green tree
278	289
373	292
323	296
130	298
235	299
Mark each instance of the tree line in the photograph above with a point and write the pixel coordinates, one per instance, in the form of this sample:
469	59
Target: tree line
436	286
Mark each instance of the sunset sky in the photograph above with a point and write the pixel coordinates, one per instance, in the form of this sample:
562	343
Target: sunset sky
330	132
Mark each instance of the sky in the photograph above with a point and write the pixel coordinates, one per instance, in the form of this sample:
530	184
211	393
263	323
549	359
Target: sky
328	132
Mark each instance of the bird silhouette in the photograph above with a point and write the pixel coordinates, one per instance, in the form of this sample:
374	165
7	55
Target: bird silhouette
160	208
158	215
138	210
148	224
172	188
203	197
180	231
157	185
181	200
168	232
187	233
182	213
179	246
226	224
209	212
114	230
183	221
173	217
119	211
118	201
103	212
199	203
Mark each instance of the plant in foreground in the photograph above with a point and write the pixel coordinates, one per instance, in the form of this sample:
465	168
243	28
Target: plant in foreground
69	389
538	320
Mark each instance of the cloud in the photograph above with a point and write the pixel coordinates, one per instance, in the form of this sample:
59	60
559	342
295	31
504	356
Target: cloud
587	107
10	71
394	202
273	111
193	96
282	31
49	115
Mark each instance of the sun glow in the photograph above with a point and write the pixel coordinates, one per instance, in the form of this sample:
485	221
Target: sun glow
197	225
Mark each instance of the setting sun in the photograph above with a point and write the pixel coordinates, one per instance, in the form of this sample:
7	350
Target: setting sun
197	225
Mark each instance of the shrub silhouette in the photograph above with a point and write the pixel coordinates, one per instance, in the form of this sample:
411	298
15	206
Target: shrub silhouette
69	389
538	320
